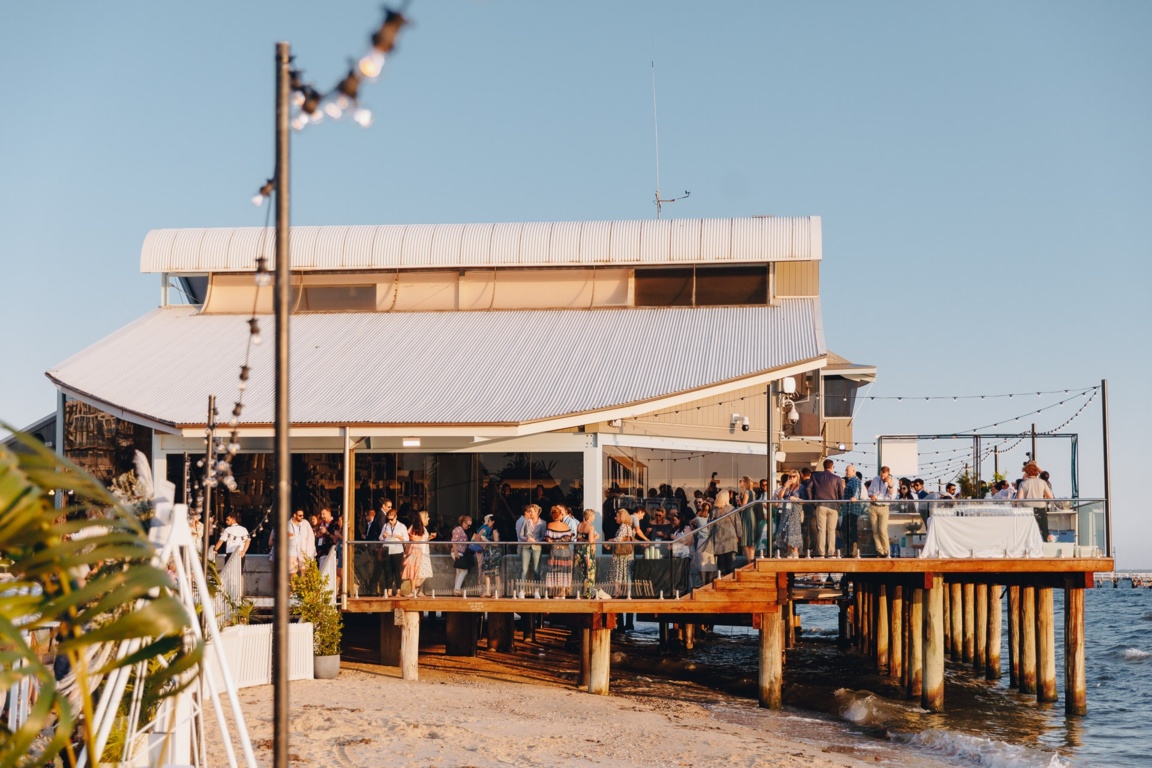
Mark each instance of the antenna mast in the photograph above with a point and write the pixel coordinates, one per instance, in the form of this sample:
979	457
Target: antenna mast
656	130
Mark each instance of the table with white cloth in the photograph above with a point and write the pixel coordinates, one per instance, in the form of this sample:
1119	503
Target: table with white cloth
987	530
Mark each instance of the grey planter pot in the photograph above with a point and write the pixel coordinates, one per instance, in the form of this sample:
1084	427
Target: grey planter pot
326	667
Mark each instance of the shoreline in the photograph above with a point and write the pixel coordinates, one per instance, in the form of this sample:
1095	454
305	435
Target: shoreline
522	708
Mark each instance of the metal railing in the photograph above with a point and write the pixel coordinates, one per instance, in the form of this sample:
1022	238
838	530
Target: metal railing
607	569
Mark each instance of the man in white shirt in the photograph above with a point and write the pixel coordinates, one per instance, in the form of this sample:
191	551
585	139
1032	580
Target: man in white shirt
234	539
301	542
881	490
395	533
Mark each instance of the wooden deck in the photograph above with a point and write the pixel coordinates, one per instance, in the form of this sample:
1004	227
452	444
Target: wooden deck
903	614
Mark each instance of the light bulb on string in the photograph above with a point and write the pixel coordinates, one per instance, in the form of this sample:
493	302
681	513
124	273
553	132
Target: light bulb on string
263	276
254	329
372	64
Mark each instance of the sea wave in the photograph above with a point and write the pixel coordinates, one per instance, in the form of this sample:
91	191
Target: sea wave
1134	654
865	708
979	751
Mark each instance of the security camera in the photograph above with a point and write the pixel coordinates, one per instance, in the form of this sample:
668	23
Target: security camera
744	425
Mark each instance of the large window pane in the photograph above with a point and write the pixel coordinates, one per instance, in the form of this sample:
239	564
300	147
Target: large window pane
731	285
664	287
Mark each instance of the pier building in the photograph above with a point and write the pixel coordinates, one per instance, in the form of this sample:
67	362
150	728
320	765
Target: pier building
469	369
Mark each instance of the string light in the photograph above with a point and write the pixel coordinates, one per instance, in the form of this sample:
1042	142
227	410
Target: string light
980	397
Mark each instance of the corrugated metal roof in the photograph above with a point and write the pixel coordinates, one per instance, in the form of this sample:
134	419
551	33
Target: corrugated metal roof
440	368
665	241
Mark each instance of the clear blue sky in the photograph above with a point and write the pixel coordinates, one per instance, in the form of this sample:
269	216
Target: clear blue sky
983	170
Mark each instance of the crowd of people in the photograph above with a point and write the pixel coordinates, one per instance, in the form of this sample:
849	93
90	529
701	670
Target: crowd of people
555	550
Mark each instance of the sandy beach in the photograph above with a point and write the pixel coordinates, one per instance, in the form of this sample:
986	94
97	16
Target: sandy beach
522	709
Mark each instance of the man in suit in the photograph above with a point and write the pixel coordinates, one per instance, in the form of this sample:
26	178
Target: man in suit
375	525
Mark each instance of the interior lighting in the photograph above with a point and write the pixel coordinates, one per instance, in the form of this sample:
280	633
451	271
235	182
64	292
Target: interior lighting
410	442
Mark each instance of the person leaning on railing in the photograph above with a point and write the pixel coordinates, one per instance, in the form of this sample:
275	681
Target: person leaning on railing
854	494
726	534
1033	487
790	515
881	491
529	531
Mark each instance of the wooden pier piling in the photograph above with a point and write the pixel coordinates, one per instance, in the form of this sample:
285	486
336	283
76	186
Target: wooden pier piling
771	660
995	636
1045	646
932	695
882	634
1027	639
1013	636
896	633
980	658
1075	687
600	654
968	651
956	606
409	644
915	685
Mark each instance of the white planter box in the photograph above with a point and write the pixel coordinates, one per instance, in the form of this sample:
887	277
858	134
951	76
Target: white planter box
248	652
1058	549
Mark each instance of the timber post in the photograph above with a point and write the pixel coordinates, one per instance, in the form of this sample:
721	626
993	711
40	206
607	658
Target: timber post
501	632
1045	645
771	659
969	649
1075	687
916	644
585	676
980	657
995	634
956	606
409	622
1027	639
932	695
882	627
1014	636
601	652
896	633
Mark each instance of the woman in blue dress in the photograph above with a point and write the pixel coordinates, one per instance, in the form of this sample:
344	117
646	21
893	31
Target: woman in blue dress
788	537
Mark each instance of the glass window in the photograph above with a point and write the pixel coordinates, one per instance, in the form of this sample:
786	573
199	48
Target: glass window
731	285
101	444
839	396
664	287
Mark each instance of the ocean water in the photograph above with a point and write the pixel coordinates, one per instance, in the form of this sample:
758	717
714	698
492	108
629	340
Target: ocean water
986	722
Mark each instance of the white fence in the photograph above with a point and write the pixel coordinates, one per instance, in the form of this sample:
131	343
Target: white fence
248	651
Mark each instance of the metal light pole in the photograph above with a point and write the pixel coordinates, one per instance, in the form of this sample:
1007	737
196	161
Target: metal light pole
281	302
1107	479
209	458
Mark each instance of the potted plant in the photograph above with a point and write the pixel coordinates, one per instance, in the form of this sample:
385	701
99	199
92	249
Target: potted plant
312	601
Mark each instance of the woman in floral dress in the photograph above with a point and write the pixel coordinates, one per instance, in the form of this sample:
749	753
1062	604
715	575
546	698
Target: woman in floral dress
586	554
622	554
788	536
558	534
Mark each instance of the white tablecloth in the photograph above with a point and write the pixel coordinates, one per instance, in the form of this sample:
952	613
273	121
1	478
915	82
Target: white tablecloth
962	537
970	509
